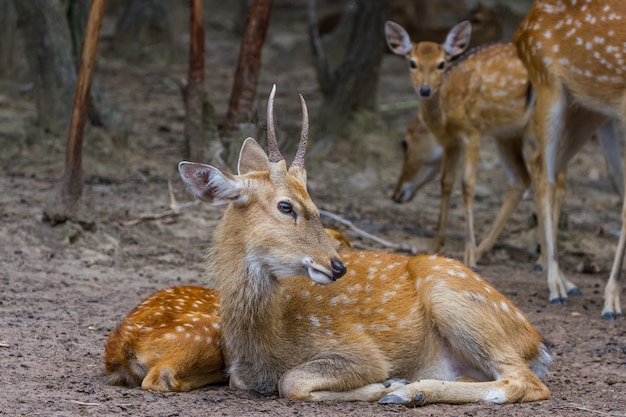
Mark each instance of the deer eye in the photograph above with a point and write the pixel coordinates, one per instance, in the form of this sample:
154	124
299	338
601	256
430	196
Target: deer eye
285	207
441	65
405	146
413	64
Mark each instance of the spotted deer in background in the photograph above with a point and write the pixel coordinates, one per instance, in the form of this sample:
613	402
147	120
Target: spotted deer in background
483	94
311	324
575	53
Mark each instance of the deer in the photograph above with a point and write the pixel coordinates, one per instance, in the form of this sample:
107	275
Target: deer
171	341
574	53
481	94
304	321
422	161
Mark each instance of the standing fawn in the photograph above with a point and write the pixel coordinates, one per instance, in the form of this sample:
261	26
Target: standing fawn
145	349
575	53
292	324
482	94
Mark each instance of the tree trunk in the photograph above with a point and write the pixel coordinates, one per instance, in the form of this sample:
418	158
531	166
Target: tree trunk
49	54
8	30
242	98
353	86
67	205
143	31
194	92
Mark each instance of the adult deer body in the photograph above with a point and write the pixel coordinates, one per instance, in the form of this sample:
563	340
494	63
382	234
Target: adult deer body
291	323
481	95
575	54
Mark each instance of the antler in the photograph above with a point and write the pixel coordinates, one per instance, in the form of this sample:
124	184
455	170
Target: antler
299	159
272	144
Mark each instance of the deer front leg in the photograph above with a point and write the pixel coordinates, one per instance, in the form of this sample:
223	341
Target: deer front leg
523	387
339	377
518	179
450	161
467	189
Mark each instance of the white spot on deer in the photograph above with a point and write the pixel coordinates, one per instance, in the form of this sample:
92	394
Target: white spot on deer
504	306
547	34
387	296
432	257
570	33
520	316
379	327
358	327
187	335
169	336
588	45
436	267
487	289
314	321
179	328
197	338
188	325
318	298
391	317
216	325
495	396
555	47
209	340
305	293
351	272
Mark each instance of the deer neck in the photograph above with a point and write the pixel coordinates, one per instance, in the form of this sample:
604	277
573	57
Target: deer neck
431	112
251	307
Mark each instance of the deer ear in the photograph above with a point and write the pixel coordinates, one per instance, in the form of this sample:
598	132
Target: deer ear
398	39
210	184
252	158
458	39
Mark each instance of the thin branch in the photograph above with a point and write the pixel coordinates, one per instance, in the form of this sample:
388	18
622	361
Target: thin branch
175	208
398	246
589	410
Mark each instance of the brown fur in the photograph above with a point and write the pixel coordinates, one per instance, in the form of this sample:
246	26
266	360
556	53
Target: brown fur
574	52
139	352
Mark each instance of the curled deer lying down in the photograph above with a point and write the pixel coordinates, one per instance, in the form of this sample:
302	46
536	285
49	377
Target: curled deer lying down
302	321
172	340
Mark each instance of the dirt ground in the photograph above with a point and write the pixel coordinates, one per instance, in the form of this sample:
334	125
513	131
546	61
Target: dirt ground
63	289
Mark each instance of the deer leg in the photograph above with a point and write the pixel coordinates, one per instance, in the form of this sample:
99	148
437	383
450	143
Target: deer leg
612	306
470	161
518	385
451	158
518	179
166	377
609	139
338	376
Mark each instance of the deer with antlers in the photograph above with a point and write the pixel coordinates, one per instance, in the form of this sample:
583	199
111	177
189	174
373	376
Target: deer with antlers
302	321
575	53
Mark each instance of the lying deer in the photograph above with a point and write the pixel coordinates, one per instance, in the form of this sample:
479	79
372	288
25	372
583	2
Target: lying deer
300	320
575	54
172	340
483	94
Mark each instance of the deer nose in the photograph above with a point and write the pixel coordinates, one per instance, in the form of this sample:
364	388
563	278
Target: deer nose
425	91
337	268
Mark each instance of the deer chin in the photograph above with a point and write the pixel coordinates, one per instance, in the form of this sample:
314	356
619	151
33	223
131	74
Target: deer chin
317	272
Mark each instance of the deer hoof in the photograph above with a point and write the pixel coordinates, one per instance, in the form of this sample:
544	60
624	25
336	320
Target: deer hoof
397	383
575	292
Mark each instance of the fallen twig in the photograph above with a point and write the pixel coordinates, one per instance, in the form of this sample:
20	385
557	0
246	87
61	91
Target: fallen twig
174	210
84	403
399	246
589	410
